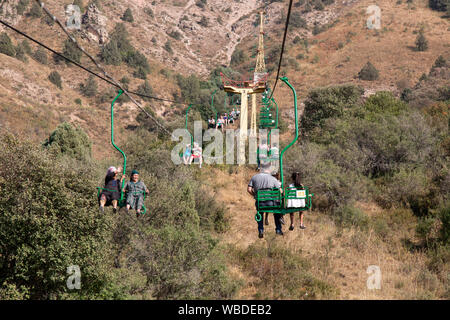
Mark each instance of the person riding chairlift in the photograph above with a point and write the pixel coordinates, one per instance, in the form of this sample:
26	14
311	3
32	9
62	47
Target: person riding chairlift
110	194
211	123
135	190
187	155
296	203
197	154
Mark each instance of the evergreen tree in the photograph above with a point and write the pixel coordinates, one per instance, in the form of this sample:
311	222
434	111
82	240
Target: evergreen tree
71	51
36	11
145	89
421	42
368	72
40	55
128	16
89	89
55	78
6	46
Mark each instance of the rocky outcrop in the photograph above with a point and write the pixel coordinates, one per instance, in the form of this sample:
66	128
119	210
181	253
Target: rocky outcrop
8	12
93	25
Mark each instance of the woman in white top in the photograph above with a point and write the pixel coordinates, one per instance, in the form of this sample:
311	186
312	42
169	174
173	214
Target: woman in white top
296	203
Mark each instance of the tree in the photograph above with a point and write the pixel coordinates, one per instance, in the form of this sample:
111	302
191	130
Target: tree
128	15
71	51
168	46
439	5
140	73
36	11
47	224
6	46
110	53
421	42
145	89
40	55
55	78
89	89
368	72
22	6
440	62
70	141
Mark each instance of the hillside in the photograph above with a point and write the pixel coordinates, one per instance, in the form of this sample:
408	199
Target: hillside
375	153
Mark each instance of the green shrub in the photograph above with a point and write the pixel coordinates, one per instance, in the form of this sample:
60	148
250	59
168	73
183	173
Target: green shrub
324	103
368	72
89	89
137	60
36	11
128	15
297	21
293	278
71	51
26	46
55	78
349	216
145	89
40	55
47	224
421	42
110	53
69	141
21	54
168	46
140	73
6	46
204	22
439	63
444	216
78	101
22	6
439	5
424	229
238	57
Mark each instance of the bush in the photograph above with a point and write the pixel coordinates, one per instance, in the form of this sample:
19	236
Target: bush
22	6
110	53
324	103
204	22
297	21
36	11
40	55
21	54
168	47
140	73
349	216
47	224
128	16
238	57
26	46
137	60
89	89
368	72
55	78
69	141
444	216
439	5
293	278
145	89
439	63
421	42
71	51
6	46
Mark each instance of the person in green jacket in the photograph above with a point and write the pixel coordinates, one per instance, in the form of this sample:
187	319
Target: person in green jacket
135	190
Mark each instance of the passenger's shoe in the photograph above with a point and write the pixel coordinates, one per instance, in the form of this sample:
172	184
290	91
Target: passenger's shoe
280	233
114	210
302	227
291	228
266	222
261	235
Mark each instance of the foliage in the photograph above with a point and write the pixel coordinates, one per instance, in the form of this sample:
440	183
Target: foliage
421	42
324	103
55	78
47	225
22	6
6	46
439	5
71	51
280	273
40	55
145	89
368	72
89	89
128	15
238	57
69	141
36	11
